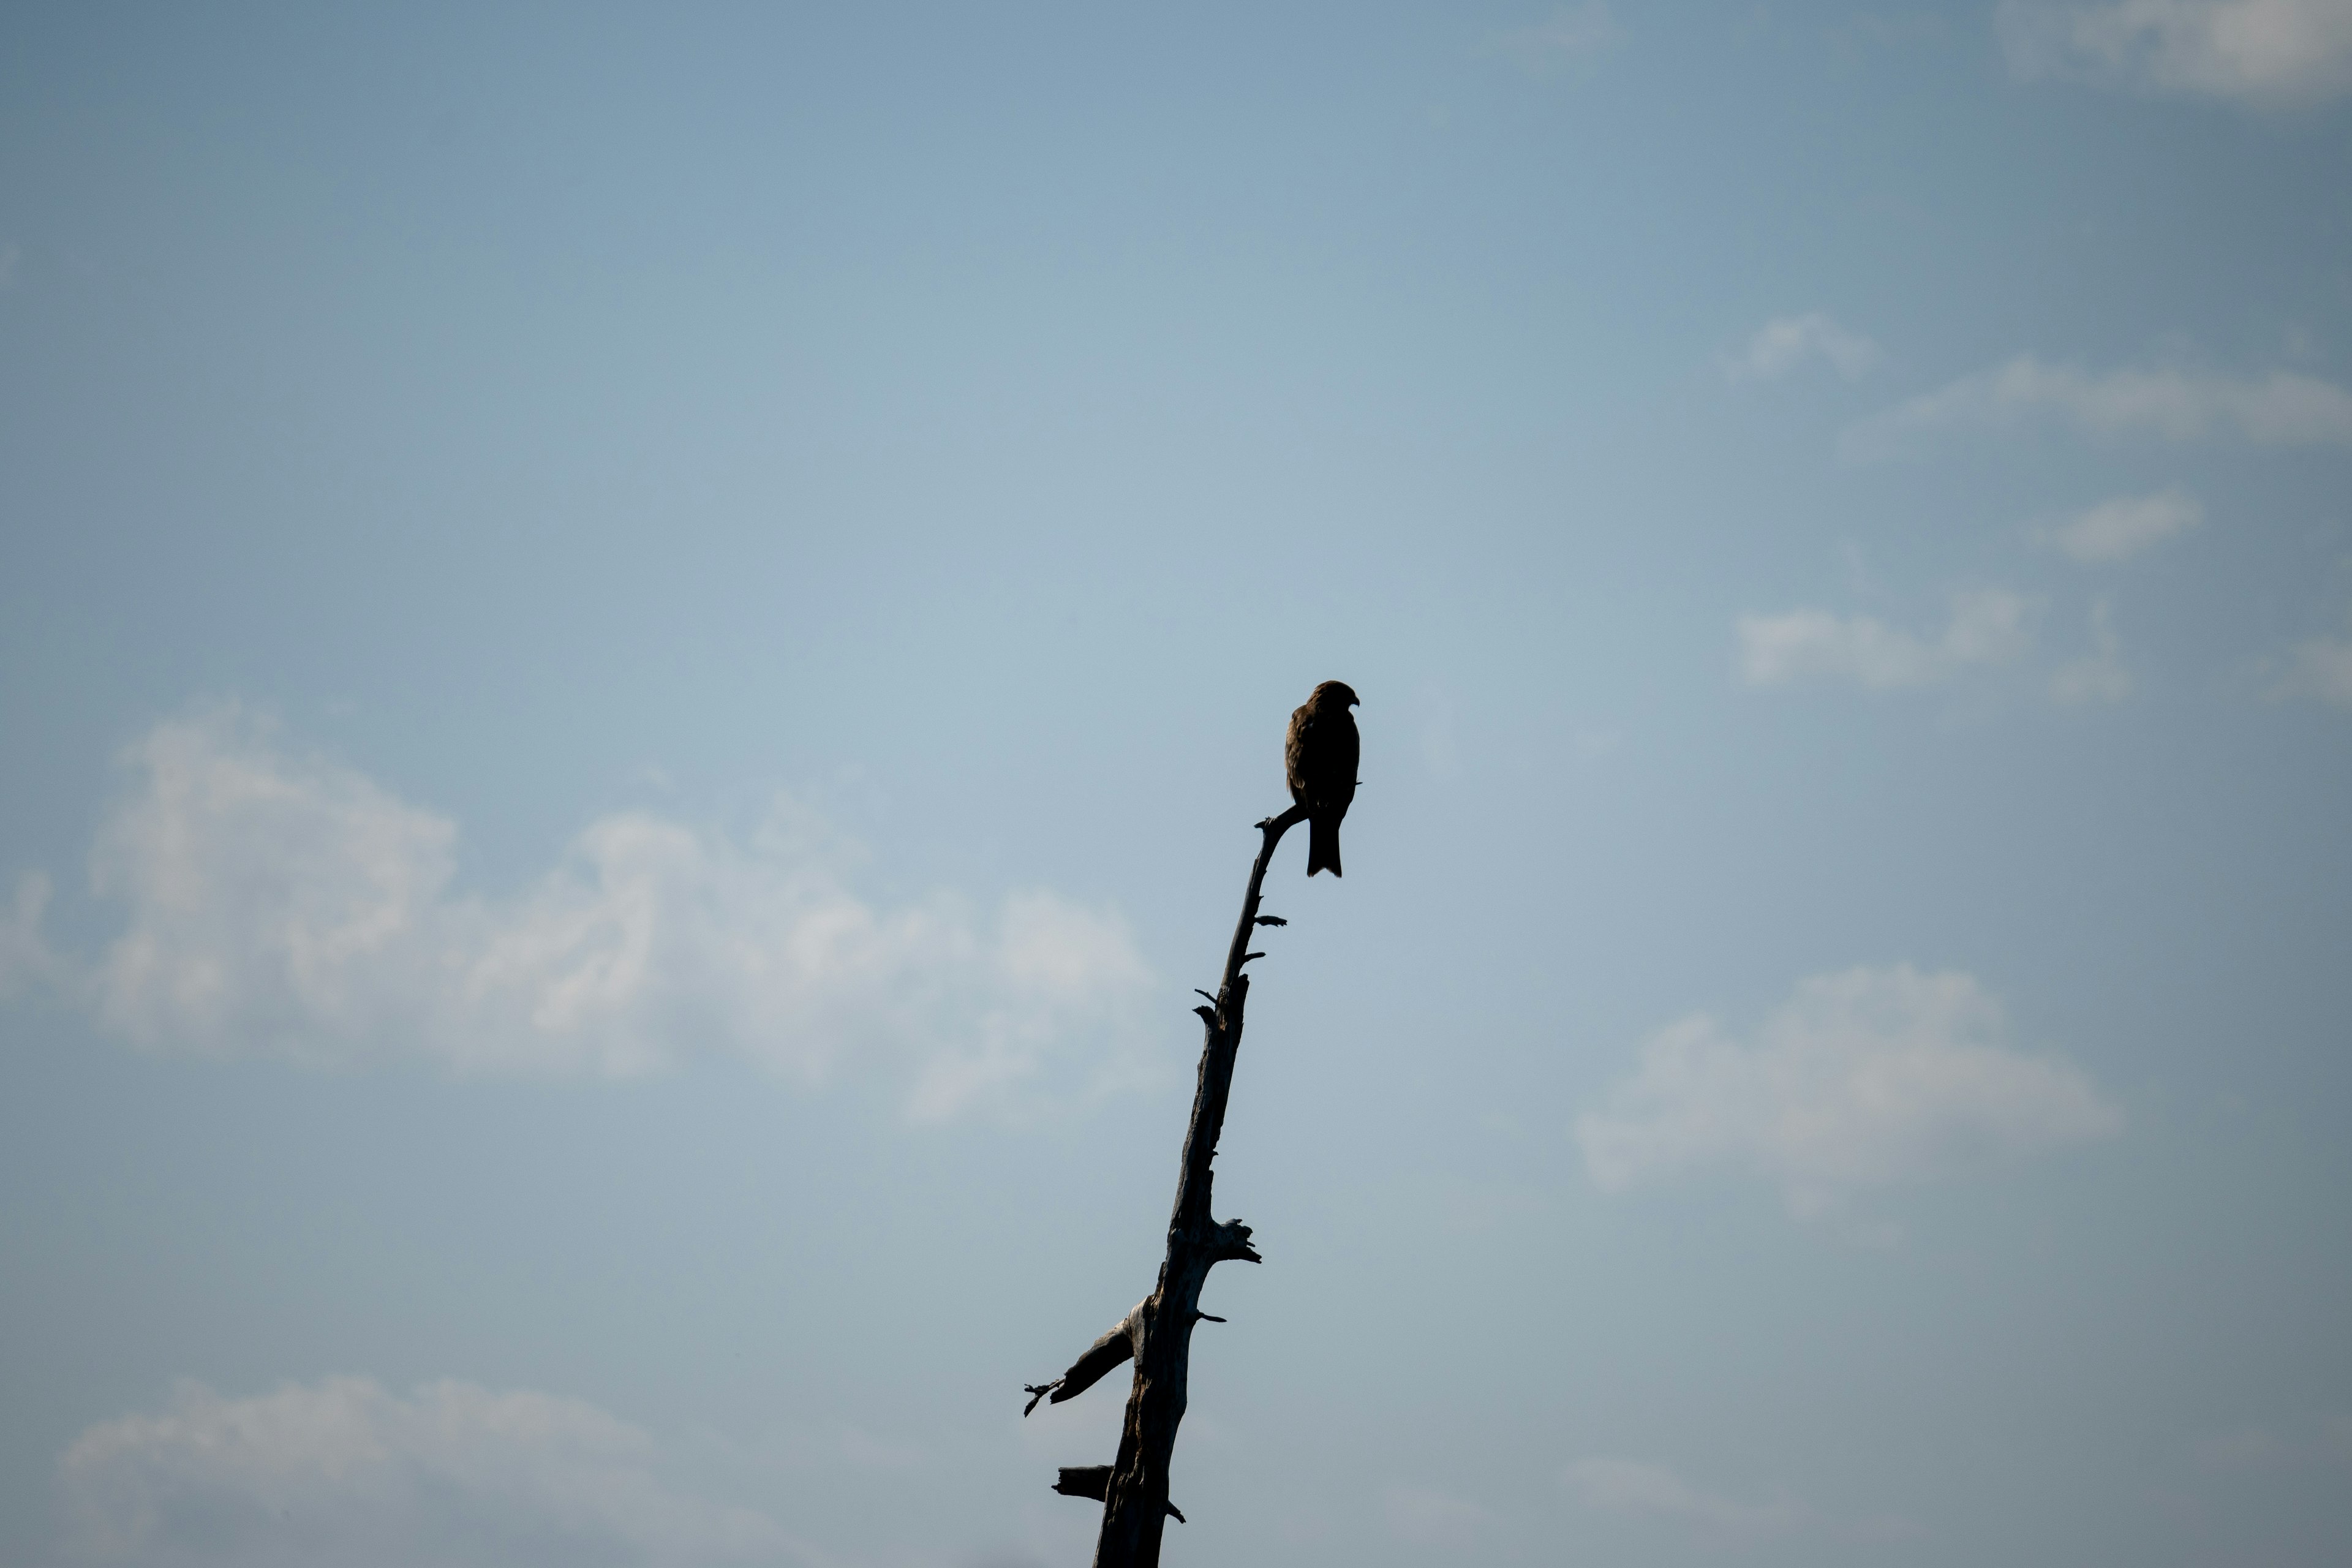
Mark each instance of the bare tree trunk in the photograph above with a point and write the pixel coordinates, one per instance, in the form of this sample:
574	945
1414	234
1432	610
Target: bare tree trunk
1158	1332
1136	1509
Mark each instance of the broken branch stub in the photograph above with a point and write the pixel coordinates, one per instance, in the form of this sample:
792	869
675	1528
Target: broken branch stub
1116	1345
1093	1482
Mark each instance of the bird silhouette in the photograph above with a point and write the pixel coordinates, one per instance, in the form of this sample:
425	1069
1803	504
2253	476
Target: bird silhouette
1319	753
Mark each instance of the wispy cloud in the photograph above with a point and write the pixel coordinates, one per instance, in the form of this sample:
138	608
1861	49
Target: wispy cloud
2320	669
1863	1078
282	905
2099	676
2263	53
2241	1449
2119	528
1571	35
1789	342
1433	1518
1626	1486
342	1472
2324	1440
2281	409
26	959
1988	627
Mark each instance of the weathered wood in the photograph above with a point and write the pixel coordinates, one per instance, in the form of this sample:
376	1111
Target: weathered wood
1135	1504
1113	1347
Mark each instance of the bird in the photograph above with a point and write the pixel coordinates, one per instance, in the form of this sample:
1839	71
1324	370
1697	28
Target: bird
1319	753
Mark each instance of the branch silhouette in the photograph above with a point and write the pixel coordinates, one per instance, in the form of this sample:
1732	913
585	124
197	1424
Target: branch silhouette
1157	1334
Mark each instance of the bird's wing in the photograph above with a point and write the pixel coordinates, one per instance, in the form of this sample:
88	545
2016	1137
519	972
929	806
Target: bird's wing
1294	755
1347	751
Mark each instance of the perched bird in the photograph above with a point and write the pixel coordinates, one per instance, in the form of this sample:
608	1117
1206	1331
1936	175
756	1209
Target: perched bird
1320	754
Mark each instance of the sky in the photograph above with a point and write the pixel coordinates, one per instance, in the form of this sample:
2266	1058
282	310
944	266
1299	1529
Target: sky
638	645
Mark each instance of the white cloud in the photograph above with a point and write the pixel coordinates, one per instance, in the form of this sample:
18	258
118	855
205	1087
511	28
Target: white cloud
2320	669
281	905
2264	53
1863	1078
2281	409
1570	35
2119	528
2100	676
1789	342
1624	1486
341	1474
1988	626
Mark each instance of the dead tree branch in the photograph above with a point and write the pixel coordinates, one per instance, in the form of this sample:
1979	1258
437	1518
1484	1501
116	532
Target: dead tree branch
1159	1333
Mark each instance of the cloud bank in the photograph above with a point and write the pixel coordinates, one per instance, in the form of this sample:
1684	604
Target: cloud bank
2265	54
281	905
1988	627
2281	409
1865	1079
341	1474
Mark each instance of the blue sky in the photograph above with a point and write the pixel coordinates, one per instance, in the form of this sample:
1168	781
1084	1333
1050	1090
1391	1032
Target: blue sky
636	651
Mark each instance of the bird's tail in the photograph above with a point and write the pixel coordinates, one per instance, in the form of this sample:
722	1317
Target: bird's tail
1322	845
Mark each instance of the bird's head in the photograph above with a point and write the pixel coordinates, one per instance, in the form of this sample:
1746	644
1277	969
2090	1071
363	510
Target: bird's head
1336	696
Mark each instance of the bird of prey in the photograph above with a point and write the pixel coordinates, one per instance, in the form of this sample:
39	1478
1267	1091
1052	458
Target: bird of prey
1321	755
